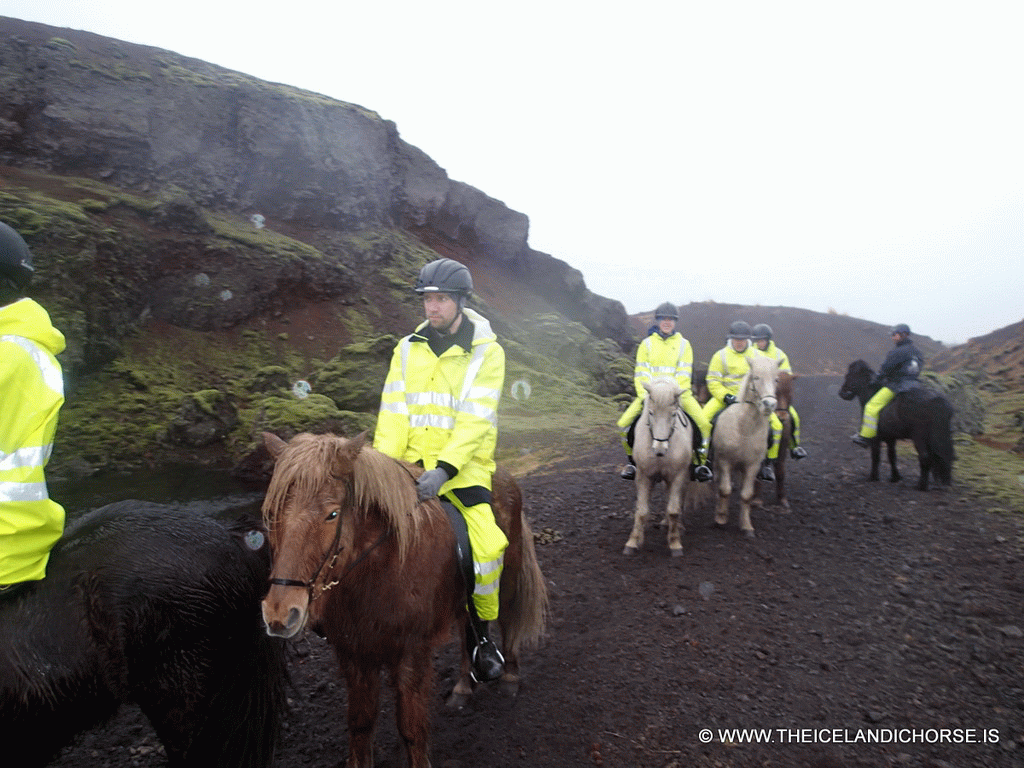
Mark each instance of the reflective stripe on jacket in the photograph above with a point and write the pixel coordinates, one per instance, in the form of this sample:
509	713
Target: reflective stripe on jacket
444	409
726	371
31	394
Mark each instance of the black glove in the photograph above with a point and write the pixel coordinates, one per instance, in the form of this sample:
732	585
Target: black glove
430	482
729	399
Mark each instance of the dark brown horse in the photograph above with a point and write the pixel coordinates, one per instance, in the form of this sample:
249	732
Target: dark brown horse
920	415
153	606
784	397
359	560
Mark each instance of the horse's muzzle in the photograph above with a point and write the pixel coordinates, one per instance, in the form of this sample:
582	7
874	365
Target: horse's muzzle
846	394
768	405
284	621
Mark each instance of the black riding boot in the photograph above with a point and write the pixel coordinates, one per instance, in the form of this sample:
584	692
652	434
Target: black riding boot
486	662
767	472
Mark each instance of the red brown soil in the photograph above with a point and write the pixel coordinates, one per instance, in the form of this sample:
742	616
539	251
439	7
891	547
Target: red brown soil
869	611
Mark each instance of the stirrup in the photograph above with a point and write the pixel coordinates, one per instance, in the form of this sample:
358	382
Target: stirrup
860	440
628	472
798	452
486	662
766	472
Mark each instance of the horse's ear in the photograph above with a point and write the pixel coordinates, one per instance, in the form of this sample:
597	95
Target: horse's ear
356	444
647	386
274	444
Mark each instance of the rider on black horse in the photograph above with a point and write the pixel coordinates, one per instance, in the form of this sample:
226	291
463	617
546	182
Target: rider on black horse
898	374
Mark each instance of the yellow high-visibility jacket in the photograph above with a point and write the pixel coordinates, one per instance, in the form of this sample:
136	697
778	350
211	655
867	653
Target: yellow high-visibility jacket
660	357
726	370
444	409
772	352
31	394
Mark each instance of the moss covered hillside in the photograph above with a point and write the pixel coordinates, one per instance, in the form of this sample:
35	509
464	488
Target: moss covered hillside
191	331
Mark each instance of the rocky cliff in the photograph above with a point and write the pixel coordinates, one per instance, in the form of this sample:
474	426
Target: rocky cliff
151	122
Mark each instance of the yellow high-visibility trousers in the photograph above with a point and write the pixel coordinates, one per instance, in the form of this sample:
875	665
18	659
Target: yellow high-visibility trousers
488	543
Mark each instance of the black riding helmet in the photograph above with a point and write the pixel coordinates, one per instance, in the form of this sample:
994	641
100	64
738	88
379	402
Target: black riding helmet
666	309
739	330
444	276
761	331
15	259
900	328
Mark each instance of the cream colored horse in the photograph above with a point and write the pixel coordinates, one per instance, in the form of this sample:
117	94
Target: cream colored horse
739	439
662	449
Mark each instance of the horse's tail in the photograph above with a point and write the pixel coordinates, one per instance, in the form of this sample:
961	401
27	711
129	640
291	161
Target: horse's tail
242	724
525	618
940	440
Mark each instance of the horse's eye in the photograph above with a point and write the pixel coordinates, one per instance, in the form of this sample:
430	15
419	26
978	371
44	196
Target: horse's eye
332	516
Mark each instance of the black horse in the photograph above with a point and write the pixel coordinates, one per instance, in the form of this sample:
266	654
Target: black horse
919	414
159	607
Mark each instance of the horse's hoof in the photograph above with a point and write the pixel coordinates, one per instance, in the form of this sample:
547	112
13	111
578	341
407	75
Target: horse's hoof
457	700
750	534
628	550
509	685
676	552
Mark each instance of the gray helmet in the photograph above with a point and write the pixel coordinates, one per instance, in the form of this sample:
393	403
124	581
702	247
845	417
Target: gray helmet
15	259
666	309
739	330
445	276
761	331
900	328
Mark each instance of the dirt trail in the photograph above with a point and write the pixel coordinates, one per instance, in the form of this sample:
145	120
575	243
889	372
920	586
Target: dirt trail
872	625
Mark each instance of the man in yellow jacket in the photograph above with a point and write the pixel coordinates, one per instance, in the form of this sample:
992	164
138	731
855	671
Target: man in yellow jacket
764	344
726	370
31	394
664	353
439	409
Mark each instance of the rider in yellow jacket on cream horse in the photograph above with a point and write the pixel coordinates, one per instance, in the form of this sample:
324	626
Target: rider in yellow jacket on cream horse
762	335
726	370
664	353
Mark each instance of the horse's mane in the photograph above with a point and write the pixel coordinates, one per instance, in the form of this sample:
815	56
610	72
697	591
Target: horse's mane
663	393
381	485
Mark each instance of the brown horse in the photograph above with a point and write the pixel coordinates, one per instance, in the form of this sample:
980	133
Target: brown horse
360	561
784	398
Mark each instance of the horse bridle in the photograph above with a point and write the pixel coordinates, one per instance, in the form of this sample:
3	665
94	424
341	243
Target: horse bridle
680	417
331	555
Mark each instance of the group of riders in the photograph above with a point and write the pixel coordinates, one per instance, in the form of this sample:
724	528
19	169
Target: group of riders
665	353
438	409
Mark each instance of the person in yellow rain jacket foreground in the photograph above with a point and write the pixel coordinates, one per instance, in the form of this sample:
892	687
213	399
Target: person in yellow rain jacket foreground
664	353
439	409
31	394
726	370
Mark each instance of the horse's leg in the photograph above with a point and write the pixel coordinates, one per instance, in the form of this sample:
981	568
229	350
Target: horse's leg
746	496
363	707
894	476
414	681
780	464
673	511
463	690
724	473
876	457
643	499
924	460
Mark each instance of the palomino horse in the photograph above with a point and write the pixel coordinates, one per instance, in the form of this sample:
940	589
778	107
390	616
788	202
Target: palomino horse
148	605
360	561
920	415
662	449
739	439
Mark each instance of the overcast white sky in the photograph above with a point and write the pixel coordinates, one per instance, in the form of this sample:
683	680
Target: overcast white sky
864	157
